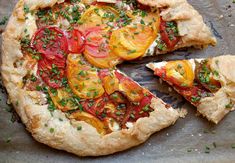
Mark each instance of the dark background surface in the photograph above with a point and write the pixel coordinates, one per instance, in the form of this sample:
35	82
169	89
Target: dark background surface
186	141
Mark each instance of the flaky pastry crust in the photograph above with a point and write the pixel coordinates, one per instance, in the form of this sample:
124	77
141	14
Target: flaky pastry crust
39	120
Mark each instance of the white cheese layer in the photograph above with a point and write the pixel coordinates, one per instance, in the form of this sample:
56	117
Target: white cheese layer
159	65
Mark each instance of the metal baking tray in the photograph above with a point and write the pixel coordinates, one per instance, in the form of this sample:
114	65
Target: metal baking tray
192	139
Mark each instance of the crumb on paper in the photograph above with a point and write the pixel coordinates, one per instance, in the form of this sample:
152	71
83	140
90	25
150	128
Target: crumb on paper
233	109
221	16
182	112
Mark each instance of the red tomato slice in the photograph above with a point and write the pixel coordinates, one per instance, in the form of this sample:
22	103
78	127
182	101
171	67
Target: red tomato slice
51	72
50	41
95	107
76	41
129	88
103	73
134	112
193	94
168	35
97	43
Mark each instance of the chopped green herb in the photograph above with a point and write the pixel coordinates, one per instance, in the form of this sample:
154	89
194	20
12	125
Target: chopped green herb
229	106
189	150
79	128
52	130
195	98
233	146
214	144
207	149
118	113
4	20
26	9
8	140
146	108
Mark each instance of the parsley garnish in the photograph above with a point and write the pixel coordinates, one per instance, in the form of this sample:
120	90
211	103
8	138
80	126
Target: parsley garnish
4	20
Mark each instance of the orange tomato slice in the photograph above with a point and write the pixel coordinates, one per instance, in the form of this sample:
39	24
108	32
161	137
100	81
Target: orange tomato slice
82	78
62	99
98	15
97	50
180	73
109	80
90	119
108	62
131	42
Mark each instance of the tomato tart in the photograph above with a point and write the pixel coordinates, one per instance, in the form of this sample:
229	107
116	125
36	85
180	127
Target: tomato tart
58	66
207	84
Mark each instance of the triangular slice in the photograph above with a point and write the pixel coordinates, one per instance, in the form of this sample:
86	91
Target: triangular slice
208	84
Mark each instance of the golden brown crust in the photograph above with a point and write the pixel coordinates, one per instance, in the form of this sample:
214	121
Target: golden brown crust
216	107
47	127
219	105
192	29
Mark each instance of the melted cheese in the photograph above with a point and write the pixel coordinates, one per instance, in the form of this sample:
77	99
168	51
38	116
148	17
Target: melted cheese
31	23
162	64
129	125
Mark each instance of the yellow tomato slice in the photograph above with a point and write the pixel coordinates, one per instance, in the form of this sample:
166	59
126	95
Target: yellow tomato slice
131	42
98	15
90	119
132	90
62	99
152	19
110	84
82	78
109	80
180	73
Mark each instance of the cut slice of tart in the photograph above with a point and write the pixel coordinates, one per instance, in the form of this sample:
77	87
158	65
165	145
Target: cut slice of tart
208	84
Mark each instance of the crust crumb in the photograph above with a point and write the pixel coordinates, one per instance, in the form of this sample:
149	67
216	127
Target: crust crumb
182	112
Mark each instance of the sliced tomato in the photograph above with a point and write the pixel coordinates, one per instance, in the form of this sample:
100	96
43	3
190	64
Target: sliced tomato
169	33
109	80
97	50
142	109
51	72
76	41
129	88
97	43
118	98
193	94
90	119
62	99
180	73
98	15
161	72
51	42
95	107
82	78
131	42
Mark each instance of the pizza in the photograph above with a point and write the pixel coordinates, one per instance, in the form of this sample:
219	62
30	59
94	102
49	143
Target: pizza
208	84
59	68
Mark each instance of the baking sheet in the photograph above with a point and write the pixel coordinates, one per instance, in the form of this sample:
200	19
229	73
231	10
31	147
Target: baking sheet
186	141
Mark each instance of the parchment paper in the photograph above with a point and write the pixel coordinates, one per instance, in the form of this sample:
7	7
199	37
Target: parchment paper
187	141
